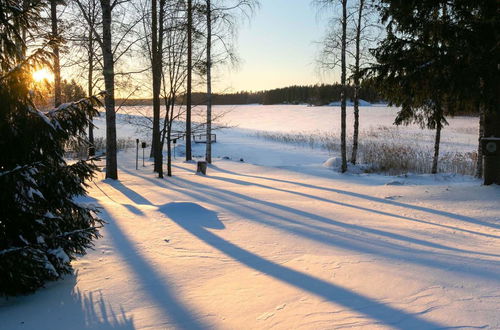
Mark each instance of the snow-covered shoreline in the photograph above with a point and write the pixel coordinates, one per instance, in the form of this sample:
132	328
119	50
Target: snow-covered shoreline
278	241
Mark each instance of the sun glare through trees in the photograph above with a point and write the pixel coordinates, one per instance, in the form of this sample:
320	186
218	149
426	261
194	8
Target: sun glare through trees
43	74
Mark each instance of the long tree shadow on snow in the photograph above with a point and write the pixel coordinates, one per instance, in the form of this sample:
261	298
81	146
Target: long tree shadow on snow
129	193
353	226
62	306
153	283
242	205
450	215
196	219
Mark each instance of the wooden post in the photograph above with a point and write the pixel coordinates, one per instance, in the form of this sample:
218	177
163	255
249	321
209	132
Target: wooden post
137	154
144	146
202	167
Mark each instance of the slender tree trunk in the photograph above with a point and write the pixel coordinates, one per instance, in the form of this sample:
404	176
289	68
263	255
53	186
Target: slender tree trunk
90	88
20	37
152	150
208	154
165	122
56	65
189	155
437	142
109	83
479	162
156	65
167	130
355	137
343	147
169	150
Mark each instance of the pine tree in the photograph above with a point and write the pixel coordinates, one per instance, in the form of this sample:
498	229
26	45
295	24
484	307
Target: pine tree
42	227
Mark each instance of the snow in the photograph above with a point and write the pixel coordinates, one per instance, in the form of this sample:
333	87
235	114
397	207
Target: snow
60	254
461	133
280	241
335	163
350	103
32	191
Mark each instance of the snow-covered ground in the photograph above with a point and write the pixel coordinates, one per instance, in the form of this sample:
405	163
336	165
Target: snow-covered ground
279	241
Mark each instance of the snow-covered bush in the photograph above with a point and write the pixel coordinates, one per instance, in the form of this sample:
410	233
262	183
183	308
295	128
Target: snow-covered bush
77	149
42	227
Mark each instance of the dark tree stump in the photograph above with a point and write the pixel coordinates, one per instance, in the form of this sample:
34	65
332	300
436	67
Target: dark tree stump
202	167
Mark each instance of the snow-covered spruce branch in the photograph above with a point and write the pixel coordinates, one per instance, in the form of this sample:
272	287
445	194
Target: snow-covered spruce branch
20	168
35	245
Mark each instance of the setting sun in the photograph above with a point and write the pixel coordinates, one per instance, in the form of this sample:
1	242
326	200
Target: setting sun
42	75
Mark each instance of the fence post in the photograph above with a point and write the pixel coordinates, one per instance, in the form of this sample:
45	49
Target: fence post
137	154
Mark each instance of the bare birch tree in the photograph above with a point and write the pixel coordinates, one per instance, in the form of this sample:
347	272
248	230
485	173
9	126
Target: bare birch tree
338	43
357	58
189	86
346	46
220	22
85	55
208	152
112	50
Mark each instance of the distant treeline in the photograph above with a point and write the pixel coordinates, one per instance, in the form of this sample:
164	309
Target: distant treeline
315	95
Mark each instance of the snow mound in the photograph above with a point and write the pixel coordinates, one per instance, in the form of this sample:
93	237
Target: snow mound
335	164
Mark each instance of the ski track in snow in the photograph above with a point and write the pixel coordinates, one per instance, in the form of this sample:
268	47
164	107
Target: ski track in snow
262	245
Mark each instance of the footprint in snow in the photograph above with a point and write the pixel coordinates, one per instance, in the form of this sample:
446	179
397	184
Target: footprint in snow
280	307
265	316
393	197
394	183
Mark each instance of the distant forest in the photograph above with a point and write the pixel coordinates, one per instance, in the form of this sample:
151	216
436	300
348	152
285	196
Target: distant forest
315	95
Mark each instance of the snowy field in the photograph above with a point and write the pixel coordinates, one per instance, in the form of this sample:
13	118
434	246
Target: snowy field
460	135
280	241
248	125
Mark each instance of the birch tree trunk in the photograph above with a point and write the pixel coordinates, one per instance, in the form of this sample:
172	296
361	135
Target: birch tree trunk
208	155
355	137
343	147
109	83
189	77
90	87
169	150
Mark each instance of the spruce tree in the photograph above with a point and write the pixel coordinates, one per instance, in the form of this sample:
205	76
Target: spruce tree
42	226
441	54
412	69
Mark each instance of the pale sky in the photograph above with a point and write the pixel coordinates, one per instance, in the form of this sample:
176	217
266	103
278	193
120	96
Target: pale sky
277	48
